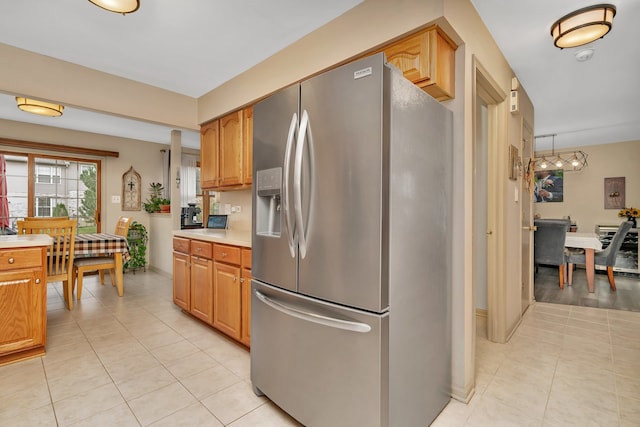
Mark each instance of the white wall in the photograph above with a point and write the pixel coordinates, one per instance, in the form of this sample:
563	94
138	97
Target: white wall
584	190
238	221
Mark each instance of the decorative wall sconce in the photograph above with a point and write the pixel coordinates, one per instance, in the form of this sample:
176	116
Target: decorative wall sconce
178	177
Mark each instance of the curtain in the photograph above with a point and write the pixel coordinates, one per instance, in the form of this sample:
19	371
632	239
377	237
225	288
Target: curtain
166	172
188	183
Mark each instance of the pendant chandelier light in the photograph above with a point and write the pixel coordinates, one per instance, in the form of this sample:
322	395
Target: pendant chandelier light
568	160
39	107
583	26
118	6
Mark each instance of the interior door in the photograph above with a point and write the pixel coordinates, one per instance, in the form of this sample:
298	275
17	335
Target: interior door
527	215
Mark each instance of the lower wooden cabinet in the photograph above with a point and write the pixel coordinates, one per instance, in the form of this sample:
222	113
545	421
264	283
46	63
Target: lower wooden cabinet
213	283
181	280
23	303
245	285
202	288
227	299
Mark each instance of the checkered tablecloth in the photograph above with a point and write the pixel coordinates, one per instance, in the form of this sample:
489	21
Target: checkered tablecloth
97	244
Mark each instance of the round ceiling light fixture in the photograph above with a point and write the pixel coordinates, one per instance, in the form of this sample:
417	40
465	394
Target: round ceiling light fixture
39	107
583	26
118	6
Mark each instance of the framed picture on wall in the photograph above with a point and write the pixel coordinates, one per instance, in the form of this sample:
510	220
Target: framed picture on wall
549	186
514	162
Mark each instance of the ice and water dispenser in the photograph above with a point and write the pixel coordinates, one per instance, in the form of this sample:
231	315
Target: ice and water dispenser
268	190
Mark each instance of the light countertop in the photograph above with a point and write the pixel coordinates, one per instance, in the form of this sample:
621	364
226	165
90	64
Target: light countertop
25	240
229	237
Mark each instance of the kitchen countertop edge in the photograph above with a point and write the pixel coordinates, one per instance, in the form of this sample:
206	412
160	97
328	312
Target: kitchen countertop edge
228	237
24	241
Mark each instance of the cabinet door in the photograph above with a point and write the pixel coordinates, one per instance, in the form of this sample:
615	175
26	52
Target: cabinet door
209	147
230	152
428	60
181	280
247	146
22	310
227	299
245	333
202	288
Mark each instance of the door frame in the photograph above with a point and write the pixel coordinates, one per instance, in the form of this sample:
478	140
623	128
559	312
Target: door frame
485	87
526	140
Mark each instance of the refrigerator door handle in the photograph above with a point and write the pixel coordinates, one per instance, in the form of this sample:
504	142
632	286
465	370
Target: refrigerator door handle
289	222
314	317
302	228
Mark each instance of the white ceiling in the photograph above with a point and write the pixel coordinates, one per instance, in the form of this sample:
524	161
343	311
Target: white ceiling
584	103
187	46
210	42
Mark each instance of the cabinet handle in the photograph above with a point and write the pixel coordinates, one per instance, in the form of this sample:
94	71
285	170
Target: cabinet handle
242	280
234	278
37	281
11	260
224	254
198	249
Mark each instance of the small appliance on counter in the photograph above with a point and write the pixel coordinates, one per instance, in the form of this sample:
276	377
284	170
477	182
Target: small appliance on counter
219	222
189	217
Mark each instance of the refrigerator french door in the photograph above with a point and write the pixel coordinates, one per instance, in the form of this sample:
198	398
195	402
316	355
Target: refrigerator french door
350	263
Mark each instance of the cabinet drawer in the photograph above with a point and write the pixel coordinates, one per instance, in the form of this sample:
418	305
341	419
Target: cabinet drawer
246	258
20	258
181	245
228	254
201	249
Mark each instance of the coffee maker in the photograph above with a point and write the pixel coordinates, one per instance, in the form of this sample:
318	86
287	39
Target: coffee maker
189	218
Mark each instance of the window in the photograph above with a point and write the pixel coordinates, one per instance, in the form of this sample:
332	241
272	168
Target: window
38	185
47	175
43	206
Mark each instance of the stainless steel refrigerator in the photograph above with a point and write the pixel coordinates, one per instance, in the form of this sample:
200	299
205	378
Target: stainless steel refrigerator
350	318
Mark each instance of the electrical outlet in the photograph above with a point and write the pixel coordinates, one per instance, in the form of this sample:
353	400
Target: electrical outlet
115	199
236	209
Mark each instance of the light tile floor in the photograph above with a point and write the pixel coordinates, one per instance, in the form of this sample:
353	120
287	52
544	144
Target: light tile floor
564	366
138	360
132	361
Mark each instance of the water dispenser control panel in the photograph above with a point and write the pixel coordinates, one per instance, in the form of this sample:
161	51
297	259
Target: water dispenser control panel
268	190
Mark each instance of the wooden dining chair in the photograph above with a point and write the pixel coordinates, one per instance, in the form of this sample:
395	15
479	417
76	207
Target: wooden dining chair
100	263
61	253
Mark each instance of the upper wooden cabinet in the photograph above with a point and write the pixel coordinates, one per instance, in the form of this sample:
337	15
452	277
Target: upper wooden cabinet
226	150
427	58
247	155
209	144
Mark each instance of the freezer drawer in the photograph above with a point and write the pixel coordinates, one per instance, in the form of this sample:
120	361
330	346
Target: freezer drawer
324	364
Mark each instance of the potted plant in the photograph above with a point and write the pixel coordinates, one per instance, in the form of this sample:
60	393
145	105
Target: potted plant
156	198
164	205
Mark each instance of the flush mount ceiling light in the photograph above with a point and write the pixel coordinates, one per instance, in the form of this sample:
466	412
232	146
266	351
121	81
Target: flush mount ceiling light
39	107
118	6
583	26
567	160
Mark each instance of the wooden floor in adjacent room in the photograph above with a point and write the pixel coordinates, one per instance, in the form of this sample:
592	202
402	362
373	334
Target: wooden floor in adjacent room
626	297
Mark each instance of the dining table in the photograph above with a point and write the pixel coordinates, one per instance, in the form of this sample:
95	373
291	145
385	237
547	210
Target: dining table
103	244
590	243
